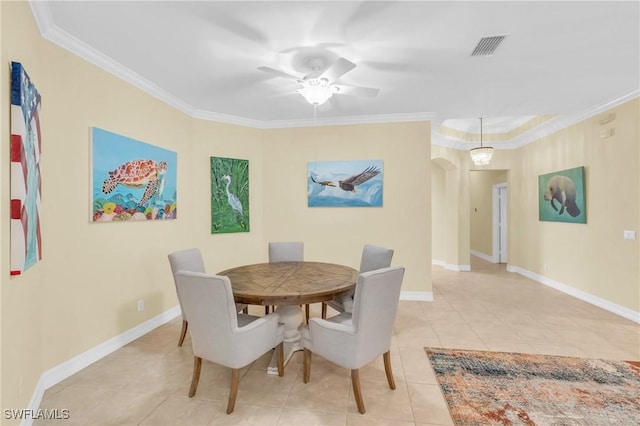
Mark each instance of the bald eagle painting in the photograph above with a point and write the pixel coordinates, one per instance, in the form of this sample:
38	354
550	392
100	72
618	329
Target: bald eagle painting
344	183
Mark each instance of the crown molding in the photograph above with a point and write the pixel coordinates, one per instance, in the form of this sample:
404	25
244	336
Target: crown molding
334	121
227	119
42	15
493	128
48	30
459	144
544	129
349	120
563	121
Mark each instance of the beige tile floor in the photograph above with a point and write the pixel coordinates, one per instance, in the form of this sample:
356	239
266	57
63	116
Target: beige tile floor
146	382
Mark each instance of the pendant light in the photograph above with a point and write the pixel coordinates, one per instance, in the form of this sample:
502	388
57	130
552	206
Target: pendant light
481	156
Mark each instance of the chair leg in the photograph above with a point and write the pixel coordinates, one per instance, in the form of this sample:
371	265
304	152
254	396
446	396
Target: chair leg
197	365
235	379
357	392
183	333
387	369
266	310
280	358
245	310
324	310
306	312
306	366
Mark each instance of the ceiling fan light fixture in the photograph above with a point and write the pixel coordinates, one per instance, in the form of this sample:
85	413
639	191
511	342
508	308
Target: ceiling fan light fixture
317	90
481	156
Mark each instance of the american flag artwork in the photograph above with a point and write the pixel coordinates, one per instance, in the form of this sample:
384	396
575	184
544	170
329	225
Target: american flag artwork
26	182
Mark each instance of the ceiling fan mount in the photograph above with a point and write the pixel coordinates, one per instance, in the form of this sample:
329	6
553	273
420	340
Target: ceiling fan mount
316	64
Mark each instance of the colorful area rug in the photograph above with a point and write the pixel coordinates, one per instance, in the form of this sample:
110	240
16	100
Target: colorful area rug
500	388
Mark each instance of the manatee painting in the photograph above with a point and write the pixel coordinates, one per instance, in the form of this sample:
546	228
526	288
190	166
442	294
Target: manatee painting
562	196
563	190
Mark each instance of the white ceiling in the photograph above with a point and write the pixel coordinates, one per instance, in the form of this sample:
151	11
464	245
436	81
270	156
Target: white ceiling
571	59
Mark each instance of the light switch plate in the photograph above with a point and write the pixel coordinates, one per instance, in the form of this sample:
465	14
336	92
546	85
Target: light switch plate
629	235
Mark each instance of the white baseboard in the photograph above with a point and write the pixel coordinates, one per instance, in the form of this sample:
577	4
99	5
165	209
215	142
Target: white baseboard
421	296
60	372
484	256
458	268
589	298
451	267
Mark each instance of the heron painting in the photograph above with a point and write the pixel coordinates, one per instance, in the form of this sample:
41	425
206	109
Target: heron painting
344	183
229	195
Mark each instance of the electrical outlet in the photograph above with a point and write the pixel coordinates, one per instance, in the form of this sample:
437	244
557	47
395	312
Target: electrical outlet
629	235
140	305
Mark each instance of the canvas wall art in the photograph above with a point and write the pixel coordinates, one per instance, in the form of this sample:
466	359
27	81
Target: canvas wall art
26	181
229	195
561	196
131	180
344	183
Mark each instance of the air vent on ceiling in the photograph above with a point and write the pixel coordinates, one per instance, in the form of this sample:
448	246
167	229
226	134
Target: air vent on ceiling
487	45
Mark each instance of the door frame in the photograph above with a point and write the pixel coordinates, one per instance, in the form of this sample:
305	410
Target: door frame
497	257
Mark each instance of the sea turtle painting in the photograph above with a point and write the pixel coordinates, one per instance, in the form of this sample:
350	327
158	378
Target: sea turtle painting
137	174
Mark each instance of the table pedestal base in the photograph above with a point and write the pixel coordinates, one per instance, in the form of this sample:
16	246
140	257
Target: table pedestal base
289	350
291	317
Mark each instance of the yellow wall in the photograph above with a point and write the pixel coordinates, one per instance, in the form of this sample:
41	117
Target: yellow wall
481	208
590	257
223	251
85	290
20	297
96	272
338	234
455	201
4	130
438	213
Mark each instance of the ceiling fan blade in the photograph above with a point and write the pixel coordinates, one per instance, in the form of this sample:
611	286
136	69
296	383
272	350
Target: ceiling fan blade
367	92
279	73
338	69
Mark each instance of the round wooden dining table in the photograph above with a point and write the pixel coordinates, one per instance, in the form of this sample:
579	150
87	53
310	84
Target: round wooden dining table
288	285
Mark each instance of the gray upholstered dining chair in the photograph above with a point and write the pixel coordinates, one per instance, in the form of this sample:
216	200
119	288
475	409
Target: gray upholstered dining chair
220	334
189	260
286	252
373	257
353	340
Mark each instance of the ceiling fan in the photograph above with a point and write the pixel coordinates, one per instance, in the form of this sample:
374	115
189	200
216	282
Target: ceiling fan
318	86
